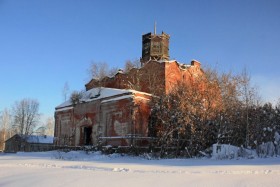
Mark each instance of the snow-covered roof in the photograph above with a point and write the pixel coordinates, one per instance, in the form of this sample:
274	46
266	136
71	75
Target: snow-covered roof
39	139
64	108
169	61
98	93
117	98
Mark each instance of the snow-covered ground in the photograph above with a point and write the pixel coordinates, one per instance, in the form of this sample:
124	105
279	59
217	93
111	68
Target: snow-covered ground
94	169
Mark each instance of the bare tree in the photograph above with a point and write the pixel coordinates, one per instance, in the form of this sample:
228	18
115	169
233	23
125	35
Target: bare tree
5	127
207	109
47	128
131	64
26	116
113	71
278	104
50	126
76	97
249	97
183	118
153	83
65	91
98	71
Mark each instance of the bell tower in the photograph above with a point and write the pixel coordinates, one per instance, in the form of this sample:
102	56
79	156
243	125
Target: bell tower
155	46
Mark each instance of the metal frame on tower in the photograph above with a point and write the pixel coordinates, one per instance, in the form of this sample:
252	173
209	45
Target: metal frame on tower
155	46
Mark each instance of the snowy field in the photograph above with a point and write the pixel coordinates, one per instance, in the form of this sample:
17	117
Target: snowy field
80	169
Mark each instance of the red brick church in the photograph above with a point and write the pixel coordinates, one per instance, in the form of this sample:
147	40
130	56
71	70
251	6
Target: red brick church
117	113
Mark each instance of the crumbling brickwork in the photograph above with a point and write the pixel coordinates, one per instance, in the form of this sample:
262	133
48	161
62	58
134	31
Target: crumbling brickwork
155	77
121	117
111	120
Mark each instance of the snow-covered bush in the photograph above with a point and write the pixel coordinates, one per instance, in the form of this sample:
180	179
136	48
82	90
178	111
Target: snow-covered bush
277	143
266	149
224	151
270	148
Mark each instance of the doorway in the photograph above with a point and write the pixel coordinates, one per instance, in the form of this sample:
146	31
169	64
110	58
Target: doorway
87	136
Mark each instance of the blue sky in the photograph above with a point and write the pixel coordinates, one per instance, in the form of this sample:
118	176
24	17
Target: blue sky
45	43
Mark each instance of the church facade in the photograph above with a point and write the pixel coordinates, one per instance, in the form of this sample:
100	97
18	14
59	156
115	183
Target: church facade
115	111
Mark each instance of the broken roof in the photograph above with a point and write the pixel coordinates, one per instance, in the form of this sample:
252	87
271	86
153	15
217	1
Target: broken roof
100	93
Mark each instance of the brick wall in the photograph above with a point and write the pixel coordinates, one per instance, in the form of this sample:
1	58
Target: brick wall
105	117
121	116
154	77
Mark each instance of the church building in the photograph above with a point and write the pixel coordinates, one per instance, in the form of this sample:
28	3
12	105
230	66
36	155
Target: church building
115	111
